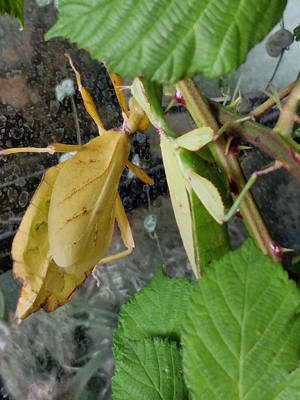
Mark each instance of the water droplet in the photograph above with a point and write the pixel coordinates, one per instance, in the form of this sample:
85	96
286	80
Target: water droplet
17	133
23	198
20	181
12	194
150	223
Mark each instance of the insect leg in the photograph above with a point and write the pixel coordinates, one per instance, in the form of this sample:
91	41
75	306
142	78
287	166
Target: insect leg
51	149
134	117
117	82
273	167
141	174
87	99
65	148
126	233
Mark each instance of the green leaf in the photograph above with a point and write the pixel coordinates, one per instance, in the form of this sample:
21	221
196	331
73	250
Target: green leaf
157	310
14	8
166	40
297	33
241	337
149	369
196	139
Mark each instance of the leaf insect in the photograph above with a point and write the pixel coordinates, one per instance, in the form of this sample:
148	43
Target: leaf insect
68	225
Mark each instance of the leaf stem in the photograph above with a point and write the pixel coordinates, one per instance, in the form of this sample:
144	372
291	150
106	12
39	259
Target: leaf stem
199	109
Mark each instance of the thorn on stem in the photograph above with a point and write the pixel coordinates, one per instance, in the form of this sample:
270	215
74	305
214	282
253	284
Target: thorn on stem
178	97
238	213
277	250
233	148
295	156
122	88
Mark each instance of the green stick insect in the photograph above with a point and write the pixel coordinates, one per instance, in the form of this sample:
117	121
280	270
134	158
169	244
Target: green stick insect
199	193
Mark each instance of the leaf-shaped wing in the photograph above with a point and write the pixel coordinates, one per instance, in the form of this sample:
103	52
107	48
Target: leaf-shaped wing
211	237
208	194
30	246
203	238
44	284
83	200
180	202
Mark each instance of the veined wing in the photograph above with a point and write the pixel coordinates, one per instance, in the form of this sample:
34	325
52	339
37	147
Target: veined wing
83	200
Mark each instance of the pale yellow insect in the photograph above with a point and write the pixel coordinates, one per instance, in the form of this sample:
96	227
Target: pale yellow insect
68	226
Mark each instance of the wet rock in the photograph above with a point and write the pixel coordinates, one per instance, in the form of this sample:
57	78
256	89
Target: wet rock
279	41
13	91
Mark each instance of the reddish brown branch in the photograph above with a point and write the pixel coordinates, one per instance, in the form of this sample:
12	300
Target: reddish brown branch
201	113
261	137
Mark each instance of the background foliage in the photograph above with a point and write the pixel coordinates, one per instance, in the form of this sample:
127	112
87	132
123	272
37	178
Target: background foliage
237	328
166	40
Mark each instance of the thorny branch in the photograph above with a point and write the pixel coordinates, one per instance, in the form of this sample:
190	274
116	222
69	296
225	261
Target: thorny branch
199	109
288	114
261	137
